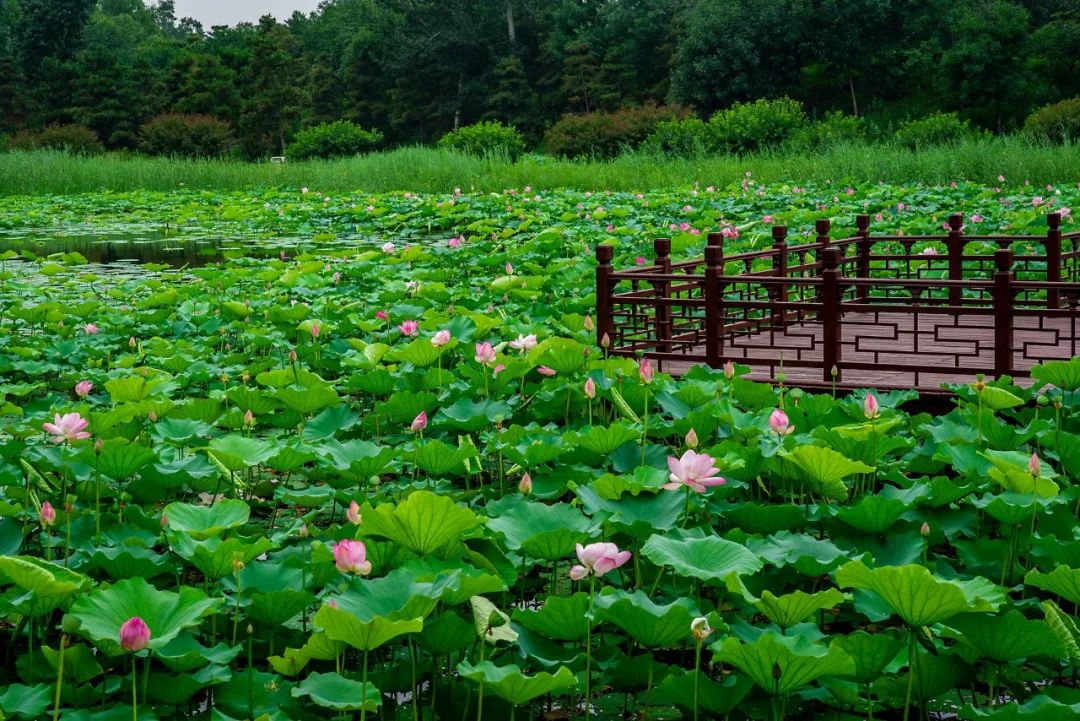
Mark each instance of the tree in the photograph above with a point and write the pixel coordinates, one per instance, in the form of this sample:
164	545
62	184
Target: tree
275	97
50	29
514	102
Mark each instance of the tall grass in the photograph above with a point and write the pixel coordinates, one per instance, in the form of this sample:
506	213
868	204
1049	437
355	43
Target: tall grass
440	170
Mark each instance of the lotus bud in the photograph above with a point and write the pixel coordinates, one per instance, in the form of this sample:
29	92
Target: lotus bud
314	330
353	514
98	446
304	532
419	423
237	565
729	370
779	423
605	341
870	406
249	418
134	635
131	342
1034	465
834	371
331	603
589	325
292	355
83	388
700	629
250	629
509	269
47	514
526	484
152	417
924	530
691	439
590	388
1042	400
351	557
645	370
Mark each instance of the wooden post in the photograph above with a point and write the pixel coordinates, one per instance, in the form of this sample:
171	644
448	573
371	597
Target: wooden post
716	239
605	321
954	244
779	293
1003	312
1053	258
830	313
662	249
822	227
863	247
714	310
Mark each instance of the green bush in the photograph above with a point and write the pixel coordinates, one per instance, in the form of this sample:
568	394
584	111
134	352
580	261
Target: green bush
333	140
486	138
935	129
749	127
190	136
605	135
1057	122
688	138
74	139
836	129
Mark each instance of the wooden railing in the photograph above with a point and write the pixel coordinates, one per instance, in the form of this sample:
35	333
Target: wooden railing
921	306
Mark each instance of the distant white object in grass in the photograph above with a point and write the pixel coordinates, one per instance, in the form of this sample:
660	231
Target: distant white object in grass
277	160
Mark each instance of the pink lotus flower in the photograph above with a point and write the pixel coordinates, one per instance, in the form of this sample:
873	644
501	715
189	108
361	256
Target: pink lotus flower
729	370
353	514
83	388
525	486
598	558
134	635
545	371
645	370
730	232
767	219
509	269
640	260
524	343
419	423
779	424
485	354
1034	465
249	418
454	243
497	370
314	330
388	248
90	329
441	338
590	388
1037	201
900	207
381	315
870	406
47	514
976	218
351	557
694	471
409	328
691	439
69	427
684	227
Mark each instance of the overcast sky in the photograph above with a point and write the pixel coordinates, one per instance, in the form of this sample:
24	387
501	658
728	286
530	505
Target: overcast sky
230	12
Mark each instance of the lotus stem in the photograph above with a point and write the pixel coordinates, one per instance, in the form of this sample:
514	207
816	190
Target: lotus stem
588	644
911	673
59	678
645	426
134	696
363	688
697	677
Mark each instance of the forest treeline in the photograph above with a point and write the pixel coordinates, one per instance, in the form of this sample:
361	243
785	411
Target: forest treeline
415	69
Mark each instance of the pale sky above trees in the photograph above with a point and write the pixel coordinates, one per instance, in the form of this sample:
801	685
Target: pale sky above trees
230	12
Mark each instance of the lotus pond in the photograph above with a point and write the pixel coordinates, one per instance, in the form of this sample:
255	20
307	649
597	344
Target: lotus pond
365	460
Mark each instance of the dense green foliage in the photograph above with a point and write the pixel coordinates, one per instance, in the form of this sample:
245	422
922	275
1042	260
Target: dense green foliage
1059	122
416	70
74	139
333	140
243	426
485	138
606	134
936	129
187	135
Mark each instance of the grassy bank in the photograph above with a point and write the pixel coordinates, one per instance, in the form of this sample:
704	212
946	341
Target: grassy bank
435	170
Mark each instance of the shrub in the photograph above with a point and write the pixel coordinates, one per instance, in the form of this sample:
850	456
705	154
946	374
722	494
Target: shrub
835	129
748	127
605	135
333	140
192	136
74	139
935	129
1057	122
688	138
485	138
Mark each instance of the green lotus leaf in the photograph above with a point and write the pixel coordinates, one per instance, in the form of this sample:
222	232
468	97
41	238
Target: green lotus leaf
101	613
651	624
201	522
641	515
119	459
1063	374
602	441
439	459
248	398
216	557
180	430
513	686
490	623
792	608
872	653
824	470
714	698
562	618
42	578
318	647
798	661
373	611
1005	638
916	596
873	514
328	423
423	523
362	459
420	352
1064	628
334	691
447	634
548	532
1062	581
80	664
1039	708
26	702
340	625
470	416
131	389
1010	470
309	400
458	579
236	453
708	559
404	406
563	355
184	654
997	399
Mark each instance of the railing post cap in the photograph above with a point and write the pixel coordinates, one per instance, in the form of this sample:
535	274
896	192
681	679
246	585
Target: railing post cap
956	222
862	221
831	257
1053	220
779	232
822	226
662	246
714	239
604	253
713	255
1003	258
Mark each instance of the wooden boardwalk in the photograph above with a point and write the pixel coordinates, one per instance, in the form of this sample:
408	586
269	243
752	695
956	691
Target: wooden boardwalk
893	350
